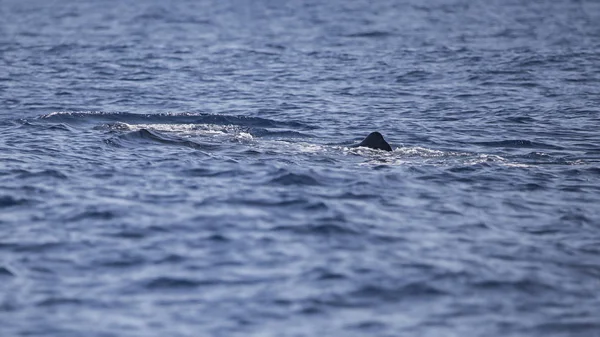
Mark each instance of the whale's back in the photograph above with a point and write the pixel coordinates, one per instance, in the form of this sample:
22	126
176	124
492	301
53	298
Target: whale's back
375	141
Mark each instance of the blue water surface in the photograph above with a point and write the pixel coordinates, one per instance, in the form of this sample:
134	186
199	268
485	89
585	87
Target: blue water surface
185	168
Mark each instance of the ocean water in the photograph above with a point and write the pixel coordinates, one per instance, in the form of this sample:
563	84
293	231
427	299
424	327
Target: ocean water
185	168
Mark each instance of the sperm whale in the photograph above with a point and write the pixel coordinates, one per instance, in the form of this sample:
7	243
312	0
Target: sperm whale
375	141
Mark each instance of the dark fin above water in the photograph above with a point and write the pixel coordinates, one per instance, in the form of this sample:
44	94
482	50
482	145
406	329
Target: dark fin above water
375	141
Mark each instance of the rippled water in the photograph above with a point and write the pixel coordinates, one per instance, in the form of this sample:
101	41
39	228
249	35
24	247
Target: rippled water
185	169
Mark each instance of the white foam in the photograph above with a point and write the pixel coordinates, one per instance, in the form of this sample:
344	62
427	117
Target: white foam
193	129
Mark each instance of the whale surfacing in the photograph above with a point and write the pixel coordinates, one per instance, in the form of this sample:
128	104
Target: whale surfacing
375	141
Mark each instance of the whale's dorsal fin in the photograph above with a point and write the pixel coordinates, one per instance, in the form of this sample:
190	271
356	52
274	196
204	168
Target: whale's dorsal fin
375	141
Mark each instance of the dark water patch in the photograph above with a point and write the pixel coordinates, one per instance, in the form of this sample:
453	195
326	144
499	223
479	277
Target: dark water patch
171	259
574	172
166	283
120	260
9	305
9	201
469	227
60	301
176	283
550	230
63	48
138	76
218	238
374	34
316	206
442	177
347	195
164	198
93	215
324	227
122	229
530	187
525	286
268	202
261	52
594	171
465	169
4	272
324	274
368	326
575	218
32	247
328	229
520	119
130	234
583	326
590	248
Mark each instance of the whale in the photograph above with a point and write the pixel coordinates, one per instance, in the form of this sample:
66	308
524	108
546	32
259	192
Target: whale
375	141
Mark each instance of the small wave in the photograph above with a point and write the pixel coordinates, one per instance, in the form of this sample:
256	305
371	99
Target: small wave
185	283
325	274
594	171
137	137
295	179
261	132
63	48
377	293
570	326
519	143
170	118
321	229
93	215
369	326
416	289
524	285
130	234
174	283
122	261
56	301
205	172
371	34
415	76
42	174
35	247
